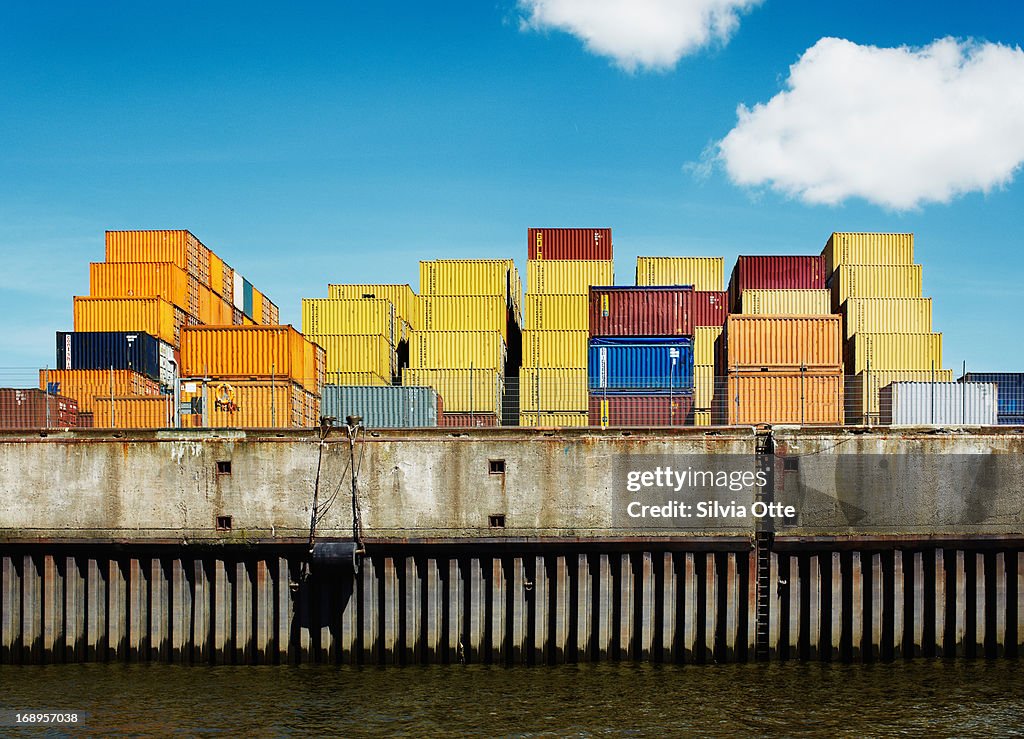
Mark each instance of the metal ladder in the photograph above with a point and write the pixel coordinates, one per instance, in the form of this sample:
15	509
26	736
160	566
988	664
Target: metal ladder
763	540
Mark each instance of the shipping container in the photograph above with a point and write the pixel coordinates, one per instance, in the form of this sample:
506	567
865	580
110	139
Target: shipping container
461	391
350	317
464	313
406	302
703	385
786	302
756	342
862	390
558	349
709	308
134	412
875	281
552	390
101	350
29	408
86	420
457	350
867	248
556	313
257	307
640	311
179	247
382	407
213	309
567	277
703	273
86	385
355	378
1011	419
640	364
474	277
271	314
587	244
887	315
894	351
153	316
702	417
371	354
939	404
554	420
775	273
640	409
1011	389
216	274
468	420
781	398
250	404
704	341
145	280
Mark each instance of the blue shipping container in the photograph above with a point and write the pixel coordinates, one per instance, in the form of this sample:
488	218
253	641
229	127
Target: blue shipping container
1010	388
640	363
247	298
1010	419
384	406
96	350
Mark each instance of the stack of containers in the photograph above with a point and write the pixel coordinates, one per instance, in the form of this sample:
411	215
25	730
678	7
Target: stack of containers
887	324
783	367
562	264
1010	388
709	307
360	335
467	309
641	356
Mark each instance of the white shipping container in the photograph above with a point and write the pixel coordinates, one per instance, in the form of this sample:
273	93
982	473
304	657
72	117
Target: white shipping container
939	404
168	368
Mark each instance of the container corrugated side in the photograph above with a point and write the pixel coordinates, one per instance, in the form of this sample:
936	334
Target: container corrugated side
640	364
709	308
144	280
382	407
355	378
134	412
887	315
464	313
893	352
248	351
703	385
862	390
774	273
1011	389
554	420
461	391
216	282
154	316
868	248
939	404
702	417
98	350
567	277
875	281
457	350
640	311
552	390
704	338
569	243
243	404
782	398
213	309
555	349
406	301
640	409
369	354
356	317
556	313
703	273
465	277
786	302
257	307
29	408
86	385
755	342
180	247
469	420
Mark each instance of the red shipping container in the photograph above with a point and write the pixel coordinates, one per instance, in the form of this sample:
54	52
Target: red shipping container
775	273
35	409
86	420
628	409
640	311
569	243
467	420
709	308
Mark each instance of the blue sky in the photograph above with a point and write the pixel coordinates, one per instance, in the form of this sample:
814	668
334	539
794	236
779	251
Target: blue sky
345	142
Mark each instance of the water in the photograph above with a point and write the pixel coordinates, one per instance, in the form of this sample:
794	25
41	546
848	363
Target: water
982	698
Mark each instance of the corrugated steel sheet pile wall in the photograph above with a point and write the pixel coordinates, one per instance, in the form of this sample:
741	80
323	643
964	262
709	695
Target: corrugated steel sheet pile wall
1010	392
562	265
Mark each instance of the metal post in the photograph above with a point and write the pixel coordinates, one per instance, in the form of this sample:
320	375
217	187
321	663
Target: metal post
963	394
112	423
175	395
933	392
273	393
868	390
46	393
471	405
206	404
803	369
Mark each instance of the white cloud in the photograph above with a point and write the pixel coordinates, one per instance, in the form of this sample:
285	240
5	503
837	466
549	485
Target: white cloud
651	34
896	127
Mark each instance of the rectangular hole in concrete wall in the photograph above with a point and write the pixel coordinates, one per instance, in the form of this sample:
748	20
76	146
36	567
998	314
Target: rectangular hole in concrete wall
224	467
496	466
496	520
223	523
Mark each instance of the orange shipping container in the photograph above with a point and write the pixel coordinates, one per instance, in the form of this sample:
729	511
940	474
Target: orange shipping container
134	412
260	404
180	247
755	342
213	309
144	280
86	385
249	351
155	316
782	398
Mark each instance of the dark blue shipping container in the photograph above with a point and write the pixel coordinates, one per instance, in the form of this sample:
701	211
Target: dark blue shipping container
92	350
247	298
1010	389
1010	419
629	363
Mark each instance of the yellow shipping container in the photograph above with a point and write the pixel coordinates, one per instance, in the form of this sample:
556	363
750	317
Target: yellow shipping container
703	385
262	404
257	307
897	351
155	316
457	350
862	390
216	273
887	315
704	338
180	247
784	398
867	248
556	312
559	349
549	390
355	378
461	391
357	317
144	280
567	276
702	417
134	412
786	302
703	273
473	277
464	313
86	385
554	420
406	302
370	354
875	281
